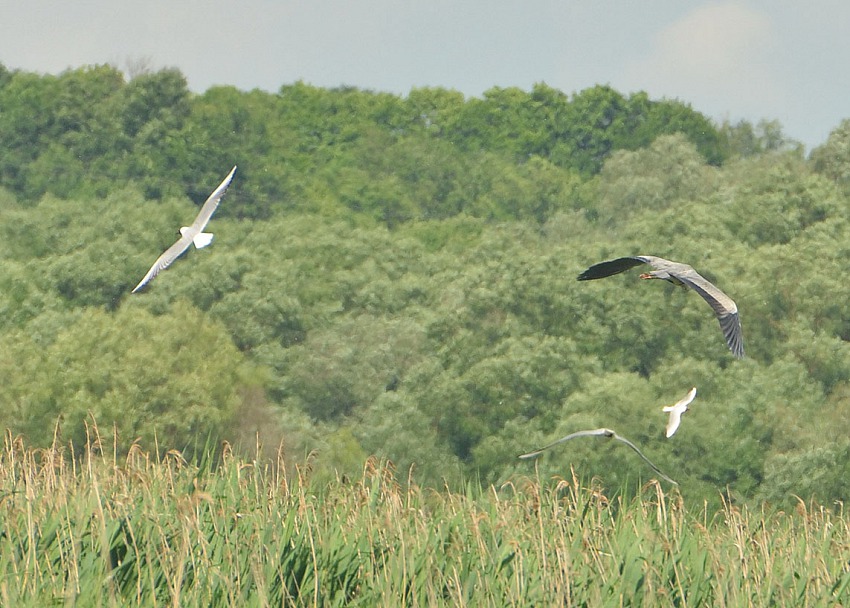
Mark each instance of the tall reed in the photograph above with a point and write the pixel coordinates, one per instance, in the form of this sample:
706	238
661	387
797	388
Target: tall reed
99	529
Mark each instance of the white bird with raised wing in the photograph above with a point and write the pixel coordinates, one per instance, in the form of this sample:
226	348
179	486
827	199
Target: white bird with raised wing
189	235
677	409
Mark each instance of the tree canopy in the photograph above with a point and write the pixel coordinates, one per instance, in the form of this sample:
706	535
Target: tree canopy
395	275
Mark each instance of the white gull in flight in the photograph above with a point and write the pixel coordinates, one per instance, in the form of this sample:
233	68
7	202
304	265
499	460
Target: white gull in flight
190	234
677	409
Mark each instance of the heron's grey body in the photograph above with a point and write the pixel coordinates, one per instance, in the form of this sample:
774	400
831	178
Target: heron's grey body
677	273
677	409
603	432
190	234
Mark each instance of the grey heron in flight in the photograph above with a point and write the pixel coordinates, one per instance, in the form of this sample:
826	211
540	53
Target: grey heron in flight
677	409
683	275
190	234
603	432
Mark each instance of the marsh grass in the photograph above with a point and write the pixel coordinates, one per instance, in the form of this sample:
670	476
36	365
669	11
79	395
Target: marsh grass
96	529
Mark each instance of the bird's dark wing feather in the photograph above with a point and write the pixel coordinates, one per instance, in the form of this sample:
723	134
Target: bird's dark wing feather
611	267
731	326
724	308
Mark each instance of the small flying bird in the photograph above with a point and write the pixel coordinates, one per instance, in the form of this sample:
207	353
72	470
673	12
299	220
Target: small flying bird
600	433
190	234
677	409
683	275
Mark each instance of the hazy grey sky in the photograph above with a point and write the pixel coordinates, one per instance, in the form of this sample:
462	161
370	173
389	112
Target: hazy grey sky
753	59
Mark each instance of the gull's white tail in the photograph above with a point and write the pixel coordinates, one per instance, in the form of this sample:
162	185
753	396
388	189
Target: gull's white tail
202	239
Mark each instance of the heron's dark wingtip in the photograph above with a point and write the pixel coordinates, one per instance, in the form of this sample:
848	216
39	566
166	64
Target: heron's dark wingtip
597	271
737	350
609	268
736	346
731	326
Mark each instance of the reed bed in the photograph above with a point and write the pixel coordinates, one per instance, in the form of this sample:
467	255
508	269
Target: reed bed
101	530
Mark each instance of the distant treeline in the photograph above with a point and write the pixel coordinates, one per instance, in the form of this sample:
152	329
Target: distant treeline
432	154
396	276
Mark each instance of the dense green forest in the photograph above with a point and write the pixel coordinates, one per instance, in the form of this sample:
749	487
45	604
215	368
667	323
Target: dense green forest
396	275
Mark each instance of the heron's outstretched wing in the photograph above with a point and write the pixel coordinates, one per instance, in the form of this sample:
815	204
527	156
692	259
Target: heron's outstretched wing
165	260
592	433
639	453
724	308
603	432
612	267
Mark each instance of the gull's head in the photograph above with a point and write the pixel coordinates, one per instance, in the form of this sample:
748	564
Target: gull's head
184	230
681	406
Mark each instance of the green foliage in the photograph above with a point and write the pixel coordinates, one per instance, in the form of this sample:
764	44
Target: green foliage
820	471
394	159
744	139
773	203
143	531
832	158
89	123
173	380
335	371
600	120
396	276
668	172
